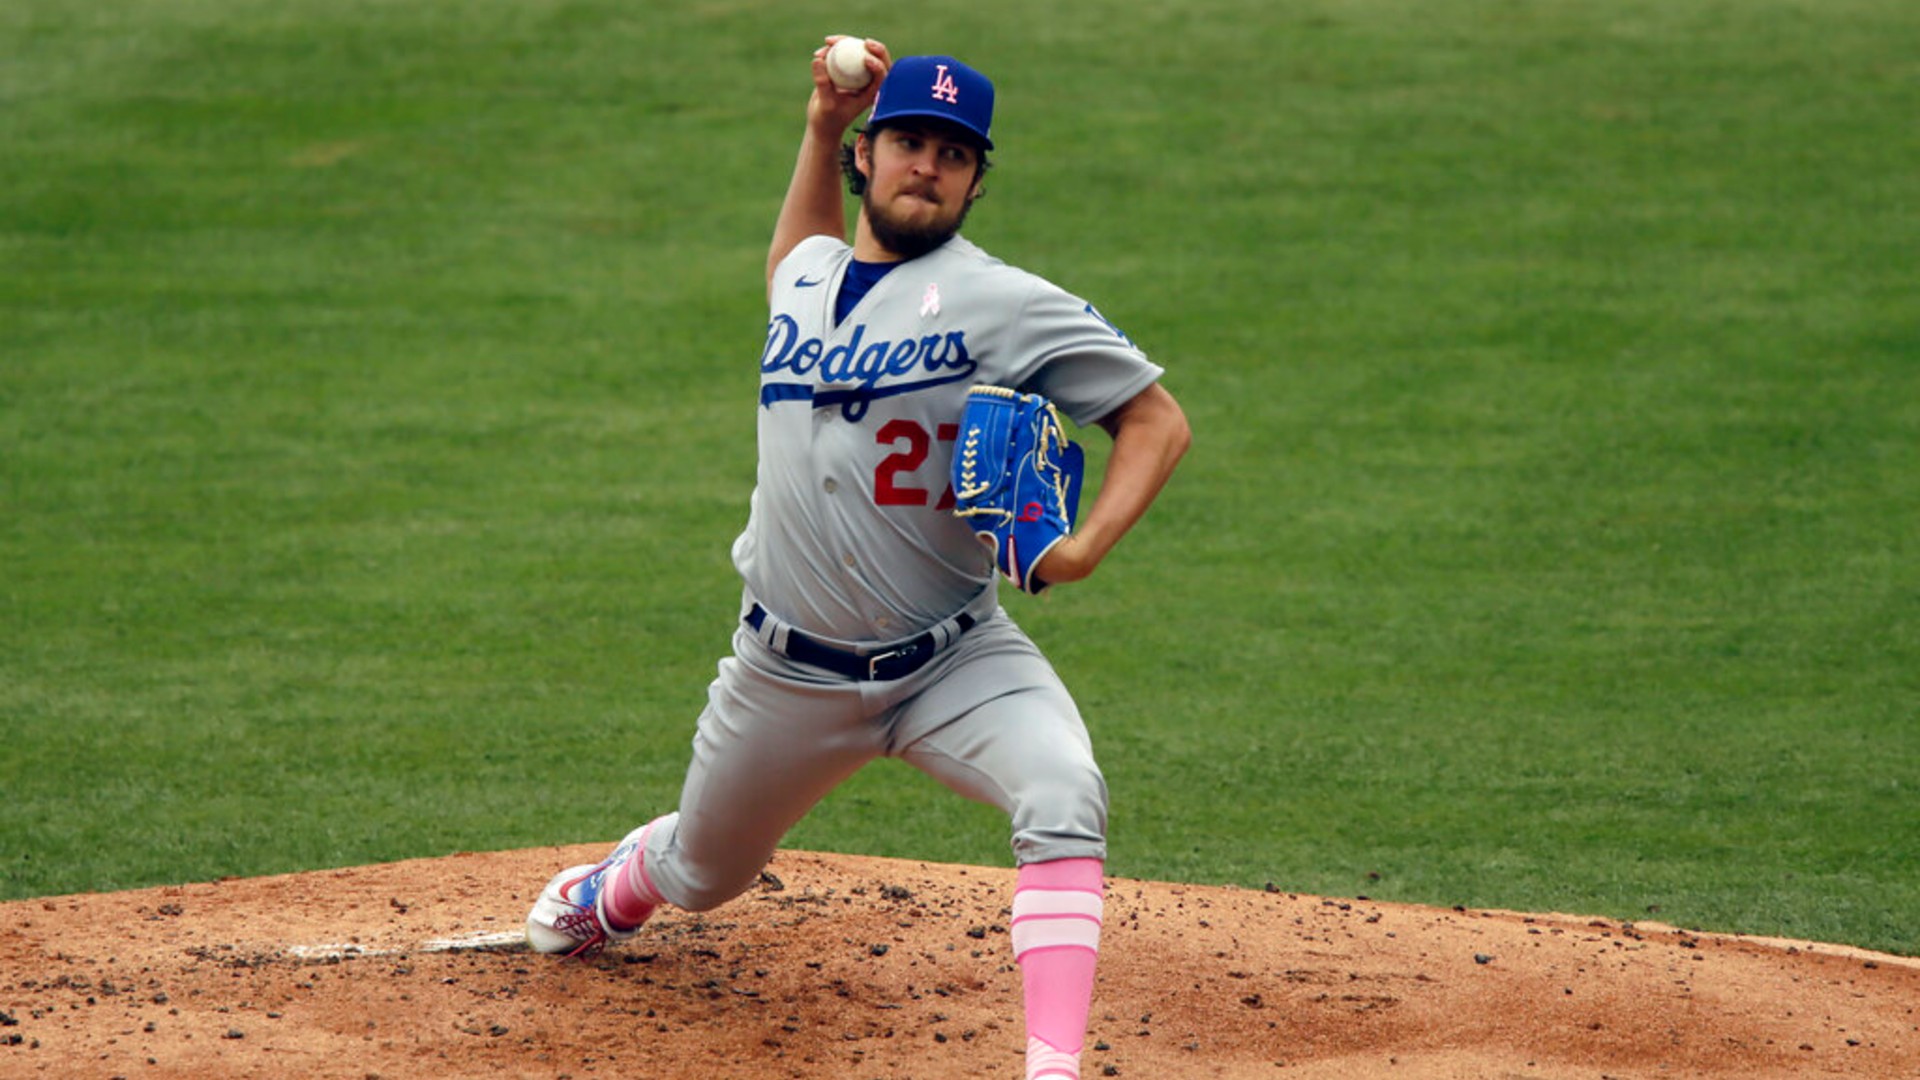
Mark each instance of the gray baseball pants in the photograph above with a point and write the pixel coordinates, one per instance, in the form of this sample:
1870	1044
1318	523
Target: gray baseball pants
988	717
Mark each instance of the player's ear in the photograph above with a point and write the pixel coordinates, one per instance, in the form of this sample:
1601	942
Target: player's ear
863	155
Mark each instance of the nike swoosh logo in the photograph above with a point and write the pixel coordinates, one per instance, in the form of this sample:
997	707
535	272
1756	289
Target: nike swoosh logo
803	283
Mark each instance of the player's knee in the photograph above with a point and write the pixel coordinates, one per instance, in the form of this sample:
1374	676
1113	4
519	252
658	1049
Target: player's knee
1063	816
1080	784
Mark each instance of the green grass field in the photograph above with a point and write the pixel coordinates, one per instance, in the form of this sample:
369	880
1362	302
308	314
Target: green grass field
376	388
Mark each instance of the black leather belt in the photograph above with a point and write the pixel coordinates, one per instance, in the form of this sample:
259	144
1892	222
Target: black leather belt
897	662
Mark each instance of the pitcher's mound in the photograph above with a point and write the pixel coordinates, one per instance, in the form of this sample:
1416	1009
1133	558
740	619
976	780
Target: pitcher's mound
864	968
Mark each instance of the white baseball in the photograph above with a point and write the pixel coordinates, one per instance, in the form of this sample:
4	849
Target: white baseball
847	63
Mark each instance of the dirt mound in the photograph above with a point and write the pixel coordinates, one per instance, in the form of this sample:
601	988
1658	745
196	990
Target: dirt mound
869	968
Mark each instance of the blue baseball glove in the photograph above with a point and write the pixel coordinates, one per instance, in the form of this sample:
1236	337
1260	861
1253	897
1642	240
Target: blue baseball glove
1016	479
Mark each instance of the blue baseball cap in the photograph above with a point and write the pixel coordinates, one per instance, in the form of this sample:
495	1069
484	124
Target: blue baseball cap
938	88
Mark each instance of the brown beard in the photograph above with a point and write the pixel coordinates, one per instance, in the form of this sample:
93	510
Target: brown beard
906	240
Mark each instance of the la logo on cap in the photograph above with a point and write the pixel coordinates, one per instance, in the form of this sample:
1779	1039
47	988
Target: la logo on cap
944	88
937	88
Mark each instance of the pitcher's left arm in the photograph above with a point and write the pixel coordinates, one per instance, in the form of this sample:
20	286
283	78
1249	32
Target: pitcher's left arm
1150	435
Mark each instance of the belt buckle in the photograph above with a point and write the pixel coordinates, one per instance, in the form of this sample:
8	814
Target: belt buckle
874	661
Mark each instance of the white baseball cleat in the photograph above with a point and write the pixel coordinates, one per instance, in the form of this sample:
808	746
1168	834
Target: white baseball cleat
570	915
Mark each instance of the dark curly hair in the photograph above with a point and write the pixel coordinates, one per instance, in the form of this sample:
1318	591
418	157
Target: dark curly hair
857	184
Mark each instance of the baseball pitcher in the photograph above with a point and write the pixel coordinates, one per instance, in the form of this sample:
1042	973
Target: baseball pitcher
911	454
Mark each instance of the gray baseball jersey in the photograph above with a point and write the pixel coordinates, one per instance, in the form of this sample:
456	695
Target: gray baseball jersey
851	535
852	540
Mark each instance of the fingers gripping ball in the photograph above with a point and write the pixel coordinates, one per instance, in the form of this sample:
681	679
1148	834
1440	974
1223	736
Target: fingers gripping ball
1016	479
847	63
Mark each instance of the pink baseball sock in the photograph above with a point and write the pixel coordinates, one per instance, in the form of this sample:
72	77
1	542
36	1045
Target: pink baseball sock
631	897
1057	907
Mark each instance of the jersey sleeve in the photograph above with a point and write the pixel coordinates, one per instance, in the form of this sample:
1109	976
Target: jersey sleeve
1074	356
806	255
